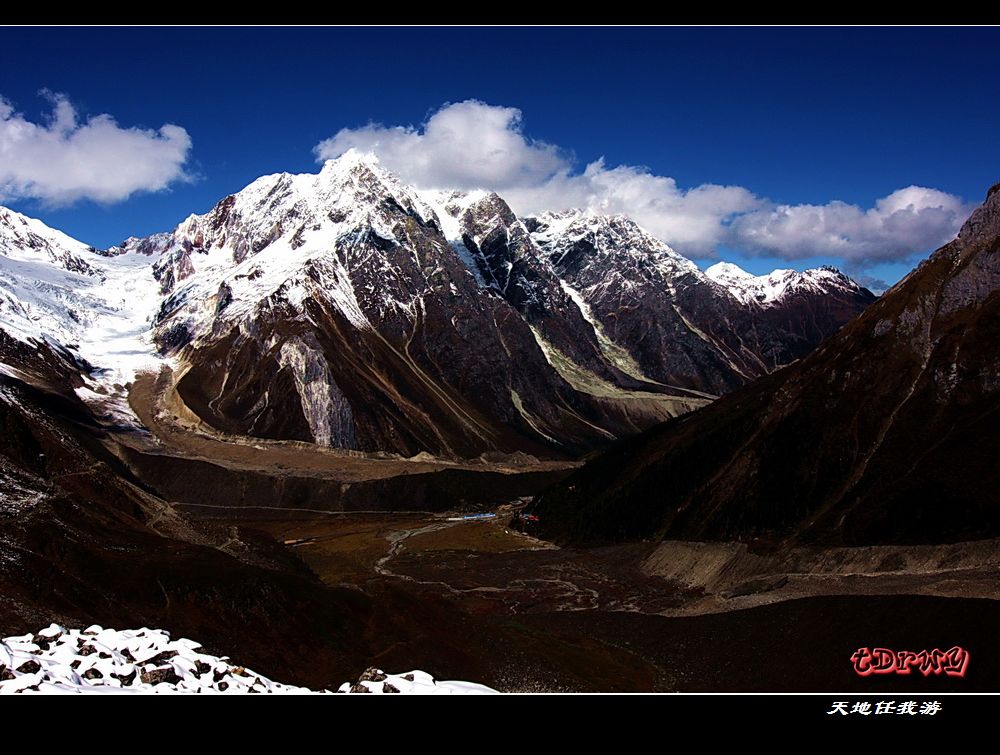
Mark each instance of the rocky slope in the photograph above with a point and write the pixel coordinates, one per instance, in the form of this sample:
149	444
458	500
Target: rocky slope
137	661
82	541
882	435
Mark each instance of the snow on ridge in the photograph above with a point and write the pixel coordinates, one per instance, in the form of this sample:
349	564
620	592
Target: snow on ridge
260	241
725	271
773	287
95	660
617	238
448	207
20	232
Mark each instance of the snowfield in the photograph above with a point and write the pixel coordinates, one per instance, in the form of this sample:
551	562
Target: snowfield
146	661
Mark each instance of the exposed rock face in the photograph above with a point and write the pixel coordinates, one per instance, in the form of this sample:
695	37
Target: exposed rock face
882	435
510	262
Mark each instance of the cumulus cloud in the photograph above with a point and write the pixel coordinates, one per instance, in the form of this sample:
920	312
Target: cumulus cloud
907	221
65	160
475	145
462	146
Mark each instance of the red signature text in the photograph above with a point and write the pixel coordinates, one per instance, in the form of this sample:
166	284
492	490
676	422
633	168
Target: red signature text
952	662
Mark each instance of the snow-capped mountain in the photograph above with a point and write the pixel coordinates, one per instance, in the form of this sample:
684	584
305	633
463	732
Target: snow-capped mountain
670	321
334	308
89	307
805	306
507	259
348	309
777	286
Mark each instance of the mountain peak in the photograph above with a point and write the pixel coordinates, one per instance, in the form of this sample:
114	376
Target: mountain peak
777	285
721	271
985	220
351	159
20	232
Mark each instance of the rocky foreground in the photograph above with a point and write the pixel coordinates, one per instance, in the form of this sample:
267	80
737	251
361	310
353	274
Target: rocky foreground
107	661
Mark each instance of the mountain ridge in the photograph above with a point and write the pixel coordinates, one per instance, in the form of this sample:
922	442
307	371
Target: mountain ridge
881	435
347	309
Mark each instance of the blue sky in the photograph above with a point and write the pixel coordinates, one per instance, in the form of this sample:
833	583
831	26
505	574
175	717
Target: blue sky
785	118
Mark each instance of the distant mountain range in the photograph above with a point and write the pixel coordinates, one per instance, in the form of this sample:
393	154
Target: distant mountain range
349	310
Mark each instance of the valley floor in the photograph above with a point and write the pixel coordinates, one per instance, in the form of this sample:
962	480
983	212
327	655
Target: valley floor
408	582
527	616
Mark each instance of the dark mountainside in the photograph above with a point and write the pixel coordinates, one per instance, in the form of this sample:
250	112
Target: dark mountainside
885	434
83	542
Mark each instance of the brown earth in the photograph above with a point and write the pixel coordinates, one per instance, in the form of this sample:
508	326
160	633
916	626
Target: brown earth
550	607
316	596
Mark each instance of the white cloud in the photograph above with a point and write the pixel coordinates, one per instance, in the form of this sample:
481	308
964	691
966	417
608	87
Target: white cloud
906	222
474	145
462	146
692	220
66	160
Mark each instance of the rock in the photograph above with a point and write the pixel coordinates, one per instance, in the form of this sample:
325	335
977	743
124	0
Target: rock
160	658
29	667
223	686
160	676
6	674
372	675
360	689
201	668
125	679
388	688
92	673
408	677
